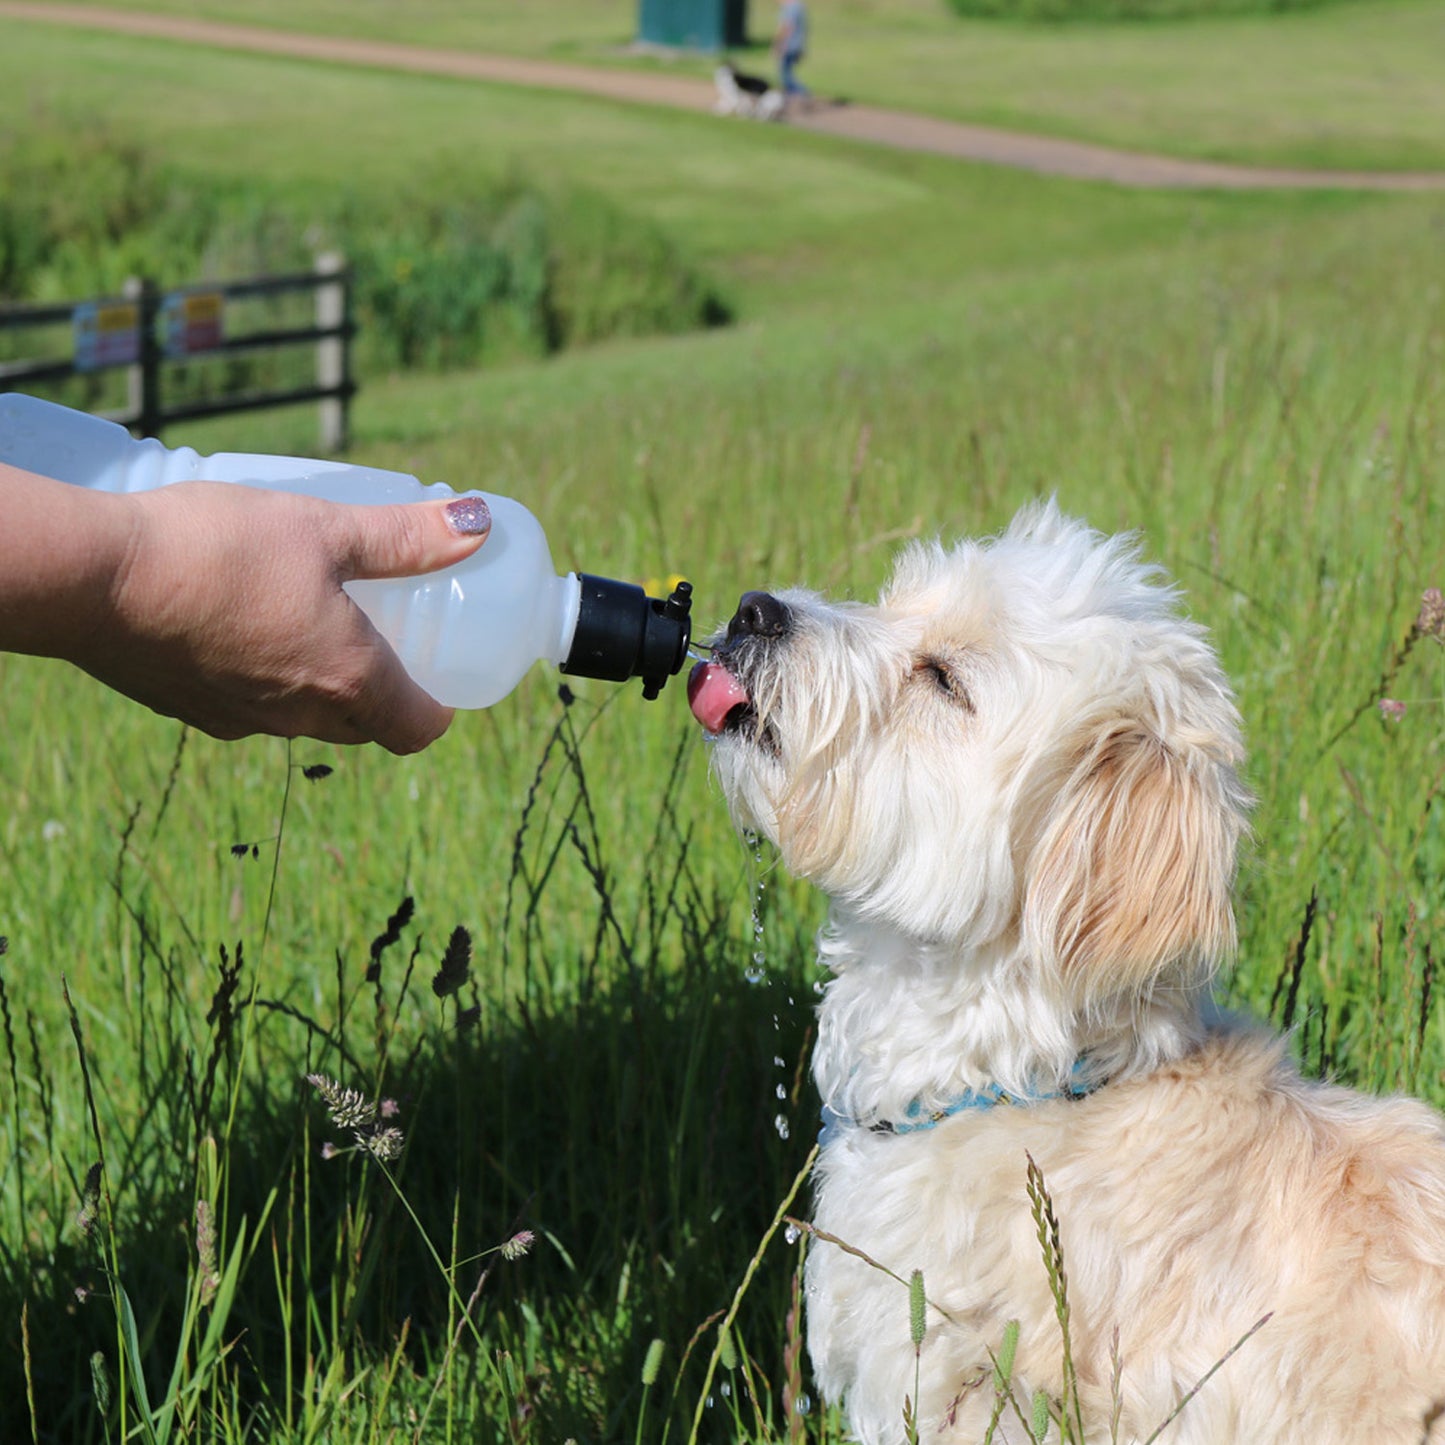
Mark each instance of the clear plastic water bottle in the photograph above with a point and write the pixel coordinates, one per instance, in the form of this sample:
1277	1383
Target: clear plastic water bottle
467	634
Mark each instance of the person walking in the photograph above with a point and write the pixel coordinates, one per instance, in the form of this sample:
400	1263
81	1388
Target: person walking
790	44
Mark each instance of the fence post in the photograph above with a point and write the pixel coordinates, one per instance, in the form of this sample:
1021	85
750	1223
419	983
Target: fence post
332	352
143	378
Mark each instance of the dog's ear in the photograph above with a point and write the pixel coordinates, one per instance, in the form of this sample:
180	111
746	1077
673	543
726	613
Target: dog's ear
1133	872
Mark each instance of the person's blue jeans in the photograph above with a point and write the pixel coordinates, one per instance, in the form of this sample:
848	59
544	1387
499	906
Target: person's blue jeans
787	69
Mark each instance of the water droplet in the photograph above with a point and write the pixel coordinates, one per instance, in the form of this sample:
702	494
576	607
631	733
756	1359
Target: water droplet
725	1389
782	1091
755	973
803	1404
792	1234
778	1062
819	986
780	1123
710	1402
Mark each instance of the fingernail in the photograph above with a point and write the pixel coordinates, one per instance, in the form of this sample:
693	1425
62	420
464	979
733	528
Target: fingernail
469	517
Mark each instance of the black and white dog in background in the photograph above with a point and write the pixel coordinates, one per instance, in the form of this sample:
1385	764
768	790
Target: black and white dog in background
747	95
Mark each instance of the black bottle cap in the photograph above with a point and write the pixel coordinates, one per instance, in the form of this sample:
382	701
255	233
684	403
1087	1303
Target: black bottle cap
622	633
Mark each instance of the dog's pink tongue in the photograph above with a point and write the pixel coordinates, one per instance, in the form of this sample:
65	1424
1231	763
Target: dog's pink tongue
713	692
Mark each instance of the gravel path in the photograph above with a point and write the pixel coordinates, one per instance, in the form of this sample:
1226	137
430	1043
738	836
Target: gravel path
863	123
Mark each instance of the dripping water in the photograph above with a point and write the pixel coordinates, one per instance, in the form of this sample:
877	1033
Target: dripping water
757	974
757	968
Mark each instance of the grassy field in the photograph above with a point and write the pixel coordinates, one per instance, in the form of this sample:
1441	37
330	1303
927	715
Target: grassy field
1255	383
1348	84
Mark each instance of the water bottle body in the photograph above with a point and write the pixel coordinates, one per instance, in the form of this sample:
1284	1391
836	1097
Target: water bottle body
470	633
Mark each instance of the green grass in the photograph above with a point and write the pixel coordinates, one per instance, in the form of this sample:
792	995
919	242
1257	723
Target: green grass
786	220
1344	85
1252	382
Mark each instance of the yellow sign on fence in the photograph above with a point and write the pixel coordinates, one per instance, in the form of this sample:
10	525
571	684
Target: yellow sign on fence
107	333
192	321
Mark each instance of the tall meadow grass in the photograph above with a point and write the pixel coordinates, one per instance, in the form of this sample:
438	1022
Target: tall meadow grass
531	951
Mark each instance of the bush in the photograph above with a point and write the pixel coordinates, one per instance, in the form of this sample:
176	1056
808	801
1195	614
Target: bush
453	271
79	208
508	268
1056	10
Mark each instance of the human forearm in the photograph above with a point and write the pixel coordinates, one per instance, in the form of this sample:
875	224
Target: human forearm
224	605
62	549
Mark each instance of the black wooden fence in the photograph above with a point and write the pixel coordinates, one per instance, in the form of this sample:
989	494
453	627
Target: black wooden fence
147	328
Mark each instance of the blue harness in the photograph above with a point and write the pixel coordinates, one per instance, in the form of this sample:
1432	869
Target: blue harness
916	1118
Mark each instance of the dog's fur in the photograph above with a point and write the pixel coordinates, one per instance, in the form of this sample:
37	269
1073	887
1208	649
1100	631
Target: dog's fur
1016	777
747	95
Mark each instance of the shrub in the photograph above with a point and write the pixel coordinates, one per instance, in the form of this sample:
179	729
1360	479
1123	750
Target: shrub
451	271
1090	10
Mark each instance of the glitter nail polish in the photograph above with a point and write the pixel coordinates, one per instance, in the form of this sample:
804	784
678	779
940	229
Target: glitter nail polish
469	516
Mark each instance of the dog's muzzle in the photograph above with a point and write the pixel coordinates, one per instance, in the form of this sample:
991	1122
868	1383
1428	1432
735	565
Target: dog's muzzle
717	690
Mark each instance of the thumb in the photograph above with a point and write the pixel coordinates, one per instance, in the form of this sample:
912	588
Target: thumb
412	538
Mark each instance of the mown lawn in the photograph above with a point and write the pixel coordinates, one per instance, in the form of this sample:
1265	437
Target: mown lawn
1353	83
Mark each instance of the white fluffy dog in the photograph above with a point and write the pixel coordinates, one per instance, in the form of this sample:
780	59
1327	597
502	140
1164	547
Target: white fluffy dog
1016	779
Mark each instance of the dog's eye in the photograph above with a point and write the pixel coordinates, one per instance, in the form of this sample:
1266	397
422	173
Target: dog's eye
945	679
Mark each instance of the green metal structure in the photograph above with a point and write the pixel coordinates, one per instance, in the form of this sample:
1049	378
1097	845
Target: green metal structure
693	24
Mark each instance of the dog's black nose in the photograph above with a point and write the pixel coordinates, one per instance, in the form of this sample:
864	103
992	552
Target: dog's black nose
759	614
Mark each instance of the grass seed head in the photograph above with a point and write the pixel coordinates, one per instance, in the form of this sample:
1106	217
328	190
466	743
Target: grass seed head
917	1309
456	964
1431	621
100	1382
519	1244
1039	1425
348	1108
383	1144
89	1211
206	1251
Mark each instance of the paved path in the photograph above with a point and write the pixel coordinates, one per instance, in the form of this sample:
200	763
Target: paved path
863	123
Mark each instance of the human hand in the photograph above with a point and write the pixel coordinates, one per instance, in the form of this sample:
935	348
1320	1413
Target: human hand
226	611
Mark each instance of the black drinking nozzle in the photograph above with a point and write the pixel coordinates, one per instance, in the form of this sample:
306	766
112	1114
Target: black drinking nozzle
622	633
